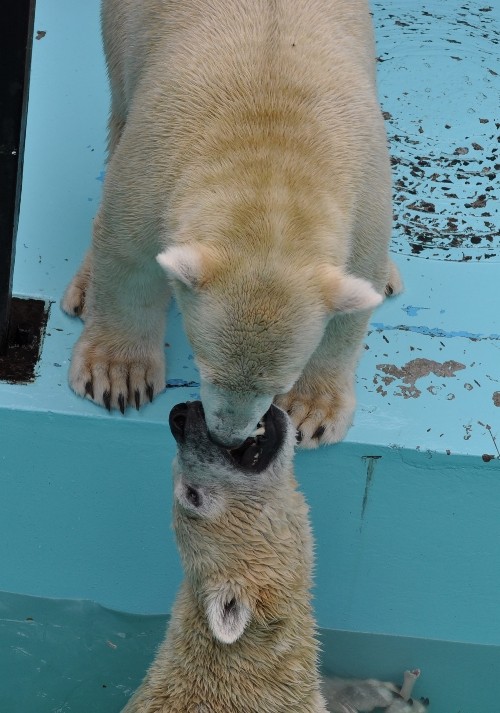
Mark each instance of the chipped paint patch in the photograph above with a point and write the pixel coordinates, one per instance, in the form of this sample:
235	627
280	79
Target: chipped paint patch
412	311
411	372
443	130
496	398
181	383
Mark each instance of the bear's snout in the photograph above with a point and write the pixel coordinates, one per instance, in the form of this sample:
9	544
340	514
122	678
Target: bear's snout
255	454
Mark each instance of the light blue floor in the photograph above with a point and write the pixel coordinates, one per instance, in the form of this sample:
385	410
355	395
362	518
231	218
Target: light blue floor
407	542
438	69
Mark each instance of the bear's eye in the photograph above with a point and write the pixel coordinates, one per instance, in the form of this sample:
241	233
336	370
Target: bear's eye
193	496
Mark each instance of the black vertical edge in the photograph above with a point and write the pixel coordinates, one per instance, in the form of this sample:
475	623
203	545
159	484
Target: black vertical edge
16	21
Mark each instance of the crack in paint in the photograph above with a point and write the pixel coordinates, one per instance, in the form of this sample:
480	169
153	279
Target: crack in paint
488	428
369	478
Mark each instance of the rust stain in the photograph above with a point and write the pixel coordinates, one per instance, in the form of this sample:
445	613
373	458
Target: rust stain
416	369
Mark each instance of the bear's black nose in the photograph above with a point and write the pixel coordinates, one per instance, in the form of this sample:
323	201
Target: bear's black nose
187	420
177	421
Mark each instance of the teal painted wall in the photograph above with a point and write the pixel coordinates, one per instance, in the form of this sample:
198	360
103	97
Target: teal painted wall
410	551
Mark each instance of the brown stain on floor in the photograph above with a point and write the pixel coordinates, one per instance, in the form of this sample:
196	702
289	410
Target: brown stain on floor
28	320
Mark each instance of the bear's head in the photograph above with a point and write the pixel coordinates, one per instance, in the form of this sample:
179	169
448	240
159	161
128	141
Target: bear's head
253	325
241	525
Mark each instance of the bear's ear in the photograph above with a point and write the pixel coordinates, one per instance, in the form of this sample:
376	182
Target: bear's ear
227	616
345	293
184	262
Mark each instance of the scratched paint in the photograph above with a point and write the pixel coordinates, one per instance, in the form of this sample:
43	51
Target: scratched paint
444	63
434	331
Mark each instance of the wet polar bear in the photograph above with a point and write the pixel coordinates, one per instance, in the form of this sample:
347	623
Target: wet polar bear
241	637
247	151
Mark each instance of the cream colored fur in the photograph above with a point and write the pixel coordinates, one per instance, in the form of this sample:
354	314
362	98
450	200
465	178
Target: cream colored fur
248	152
242	636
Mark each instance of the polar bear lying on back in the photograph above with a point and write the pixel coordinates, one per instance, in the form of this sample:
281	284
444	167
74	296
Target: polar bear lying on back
247	151
242	634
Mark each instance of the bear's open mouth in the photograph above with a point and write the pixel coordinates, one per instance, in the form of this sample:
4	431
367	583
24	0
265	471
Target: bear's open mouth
247	455
255	454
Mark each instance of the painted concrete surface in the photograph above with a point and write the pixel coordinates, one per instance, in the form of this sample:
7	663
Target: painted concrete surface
406	511
75	656
407	542
429	377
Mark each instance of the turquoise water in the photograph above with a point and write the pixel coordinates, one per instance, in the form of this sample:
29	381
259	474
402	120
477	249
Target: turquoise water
69	656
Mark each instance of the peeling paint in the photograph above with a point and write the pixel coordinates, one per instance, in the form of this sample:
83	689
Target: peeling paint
496	398
417	369
181	383
412	310
445	202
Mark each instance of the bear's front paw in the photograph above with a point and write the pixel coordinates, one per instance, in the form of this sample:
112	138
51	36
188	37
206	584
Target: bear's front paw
115	377
318	417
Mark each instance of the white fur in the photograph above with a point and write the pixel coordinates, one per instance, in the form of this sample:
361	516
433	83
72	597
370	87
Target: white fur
182	262
227	623
247	154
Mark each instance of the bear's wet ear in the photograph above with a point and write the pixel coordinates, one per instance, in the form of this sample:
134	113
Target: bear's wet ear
227	616
186	263
346	293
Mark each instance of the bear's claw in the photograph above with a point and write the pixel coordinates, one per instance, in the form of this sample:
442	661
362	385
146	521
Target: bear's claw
116	381
318	418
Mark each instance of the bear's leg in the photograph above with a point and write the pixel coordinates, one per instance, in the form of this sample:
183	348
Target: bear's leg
119	358
321	404
73	301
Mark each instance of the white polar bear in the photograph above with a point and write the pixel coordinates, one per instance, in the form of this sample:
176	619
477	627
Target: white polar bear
248	152
241	638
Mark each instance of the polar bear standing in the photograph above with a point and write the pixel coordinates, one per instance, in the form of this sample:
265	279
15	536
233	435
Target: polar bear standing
247	151
241	637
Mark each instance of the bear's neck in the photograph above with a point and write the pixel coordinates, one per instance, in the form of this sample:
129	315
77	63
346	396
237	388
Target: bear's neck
276	664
